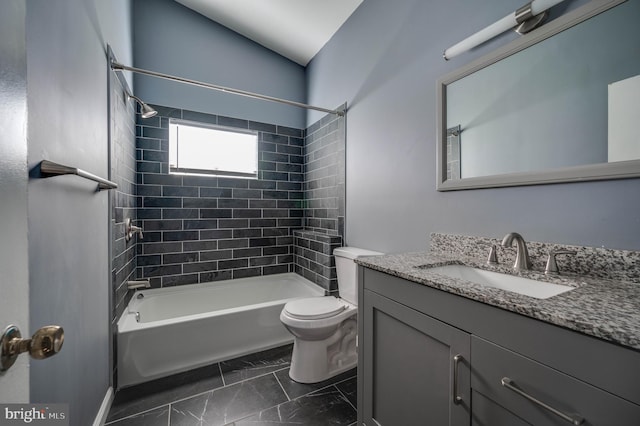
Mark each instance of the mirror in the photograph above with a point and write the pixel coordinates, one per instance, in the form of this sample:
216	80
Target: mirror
559	104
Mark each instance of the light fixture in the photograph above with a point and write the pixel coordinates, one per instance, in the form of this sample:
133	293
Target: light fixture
145	110
526	18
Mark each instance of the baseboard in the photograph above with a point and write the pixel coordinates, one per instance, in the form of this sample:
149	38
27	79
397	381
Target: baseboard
101	417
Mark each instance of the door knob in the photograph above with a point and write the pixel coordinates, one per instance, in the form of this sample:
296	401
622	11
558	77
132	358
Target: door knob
45	342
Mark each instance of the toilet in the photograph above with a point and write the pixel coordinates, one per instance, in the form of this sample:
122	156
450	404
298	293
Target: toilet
325	327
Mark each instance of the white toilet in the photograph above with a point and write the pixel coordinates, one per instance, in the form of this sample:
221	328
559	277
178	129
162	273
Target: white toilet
325	327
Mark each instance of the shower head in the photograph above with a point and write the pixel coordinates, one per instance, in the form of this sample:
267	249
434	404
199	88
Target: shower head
145	110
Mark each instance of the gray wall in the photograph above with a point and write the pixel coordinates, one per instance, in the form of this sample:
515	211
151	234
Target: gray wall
389	84
67	76
172	39
14	276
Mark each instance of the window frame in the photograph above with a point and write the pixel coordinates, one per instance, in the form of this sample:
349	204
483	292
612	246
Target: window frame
210	172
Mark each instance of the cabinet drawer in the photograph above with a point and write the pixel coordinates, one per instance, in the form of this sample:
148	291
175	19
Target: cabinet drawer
492	365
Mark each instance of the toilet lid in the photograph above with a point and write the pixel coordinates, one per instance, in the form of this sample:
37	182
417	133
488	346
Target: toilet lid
314	307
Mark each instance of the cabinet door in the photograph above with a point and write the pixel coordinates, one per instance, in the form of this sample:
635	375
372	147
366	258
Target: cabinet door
415	368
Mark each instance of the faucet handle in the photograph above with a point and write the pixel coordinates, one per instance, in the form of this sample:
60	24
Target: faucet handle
493	258
552	265
131	229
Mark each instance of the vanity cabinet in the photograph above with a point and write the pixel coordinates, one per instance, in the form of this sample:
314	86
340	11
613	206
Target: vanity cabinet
510	365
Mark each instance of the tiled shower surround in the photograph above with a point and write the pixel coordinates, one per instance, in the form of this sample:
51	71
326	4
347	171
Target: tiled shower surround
314	257
123	199
203	228
324	195
206	228
325	176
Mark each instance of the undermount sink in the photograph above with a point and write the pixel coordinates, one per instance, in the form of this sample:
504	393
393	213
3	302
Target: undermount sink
524	286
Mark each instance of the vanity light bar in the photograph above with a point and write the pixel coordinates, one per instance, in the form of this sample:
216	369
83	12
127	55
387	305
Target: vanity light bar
520	16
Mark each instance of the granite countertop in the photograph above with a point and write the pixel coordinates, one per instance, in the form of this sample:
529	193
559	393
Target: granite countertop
604	308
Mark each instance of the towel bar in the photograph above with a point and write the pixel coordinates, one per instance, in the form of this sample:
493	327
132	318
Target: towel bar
49	168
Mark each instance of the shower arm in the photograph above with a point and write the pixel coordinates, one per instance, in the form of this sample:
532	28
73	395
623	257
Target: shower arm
116	66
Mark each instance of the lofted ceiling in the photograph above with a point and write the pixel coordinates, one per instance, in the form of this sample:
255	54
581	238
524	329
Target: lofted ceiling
296	29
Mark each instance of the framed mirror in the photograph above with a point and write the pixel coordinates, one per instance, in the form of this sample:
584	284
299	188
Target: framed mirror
560	104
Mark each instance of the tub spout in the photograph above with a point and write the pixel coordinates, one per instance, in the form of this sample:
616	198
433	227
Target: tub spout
134	285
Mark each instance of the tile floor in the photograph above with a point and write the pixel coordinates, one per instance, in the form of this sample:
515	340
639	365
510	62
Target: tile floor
251	390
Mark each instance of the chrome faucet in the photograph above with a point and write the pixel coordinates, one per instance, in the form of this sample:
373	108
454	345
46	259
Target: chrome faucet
138	284
522	254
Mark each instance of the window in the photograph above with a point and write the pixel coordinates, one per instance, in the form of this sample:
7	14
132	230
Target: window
198	148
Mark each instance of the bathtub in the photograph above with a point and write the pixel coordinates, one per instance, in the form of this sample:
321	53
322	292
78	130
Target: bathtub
171	330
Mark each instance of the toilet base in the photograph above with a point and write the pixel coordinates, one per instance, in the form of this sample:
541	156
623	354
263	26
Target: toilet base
316	360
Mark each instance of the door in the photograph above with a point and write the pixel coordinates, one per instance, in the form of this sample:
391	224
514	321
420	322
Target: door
14	278
54	232
416	368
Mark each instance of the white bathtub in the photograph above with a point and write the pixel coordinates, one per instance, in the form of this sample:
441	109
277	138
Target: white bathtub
170	330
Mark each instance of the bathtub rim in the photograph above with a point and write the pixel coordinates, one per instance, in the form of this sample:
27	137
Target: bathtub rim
127	323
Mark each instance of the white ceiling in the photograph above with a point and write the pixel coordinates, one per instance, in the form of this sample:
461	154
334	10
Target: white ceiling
296	29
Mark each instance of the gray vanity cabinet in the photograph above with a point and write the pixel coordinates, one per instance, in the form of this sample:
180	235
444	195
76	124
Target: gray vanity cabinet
410	334
416	368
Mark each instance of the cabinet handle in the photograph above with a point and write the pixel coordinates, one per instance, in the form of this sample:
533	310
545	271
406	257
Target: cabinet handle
457	399
508	383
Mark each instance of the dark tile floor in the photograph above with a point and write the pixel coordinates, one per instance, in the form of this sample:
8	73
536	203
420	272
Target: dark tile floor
251	390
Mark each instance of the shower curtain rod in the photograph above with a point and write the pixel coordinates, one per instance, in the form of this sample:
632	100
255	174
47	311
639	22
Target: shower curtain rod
116	66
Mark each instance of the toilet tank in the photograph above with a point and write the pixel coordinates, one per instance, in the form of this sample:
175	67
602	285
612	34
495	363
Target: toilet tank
347	271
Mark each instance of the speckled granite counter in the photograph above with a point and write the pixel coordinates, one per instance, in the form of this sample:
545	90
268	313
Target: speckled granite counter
605	308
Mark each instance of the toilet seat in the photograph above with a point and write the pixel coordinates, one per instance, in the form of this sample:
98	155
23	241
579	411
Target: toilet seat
314	308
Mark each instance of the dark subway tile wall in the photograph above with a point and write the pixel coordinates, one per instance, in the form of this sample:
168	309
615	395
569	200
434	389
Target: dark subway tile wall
324	193
123	201
324	185
314	258
207	228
